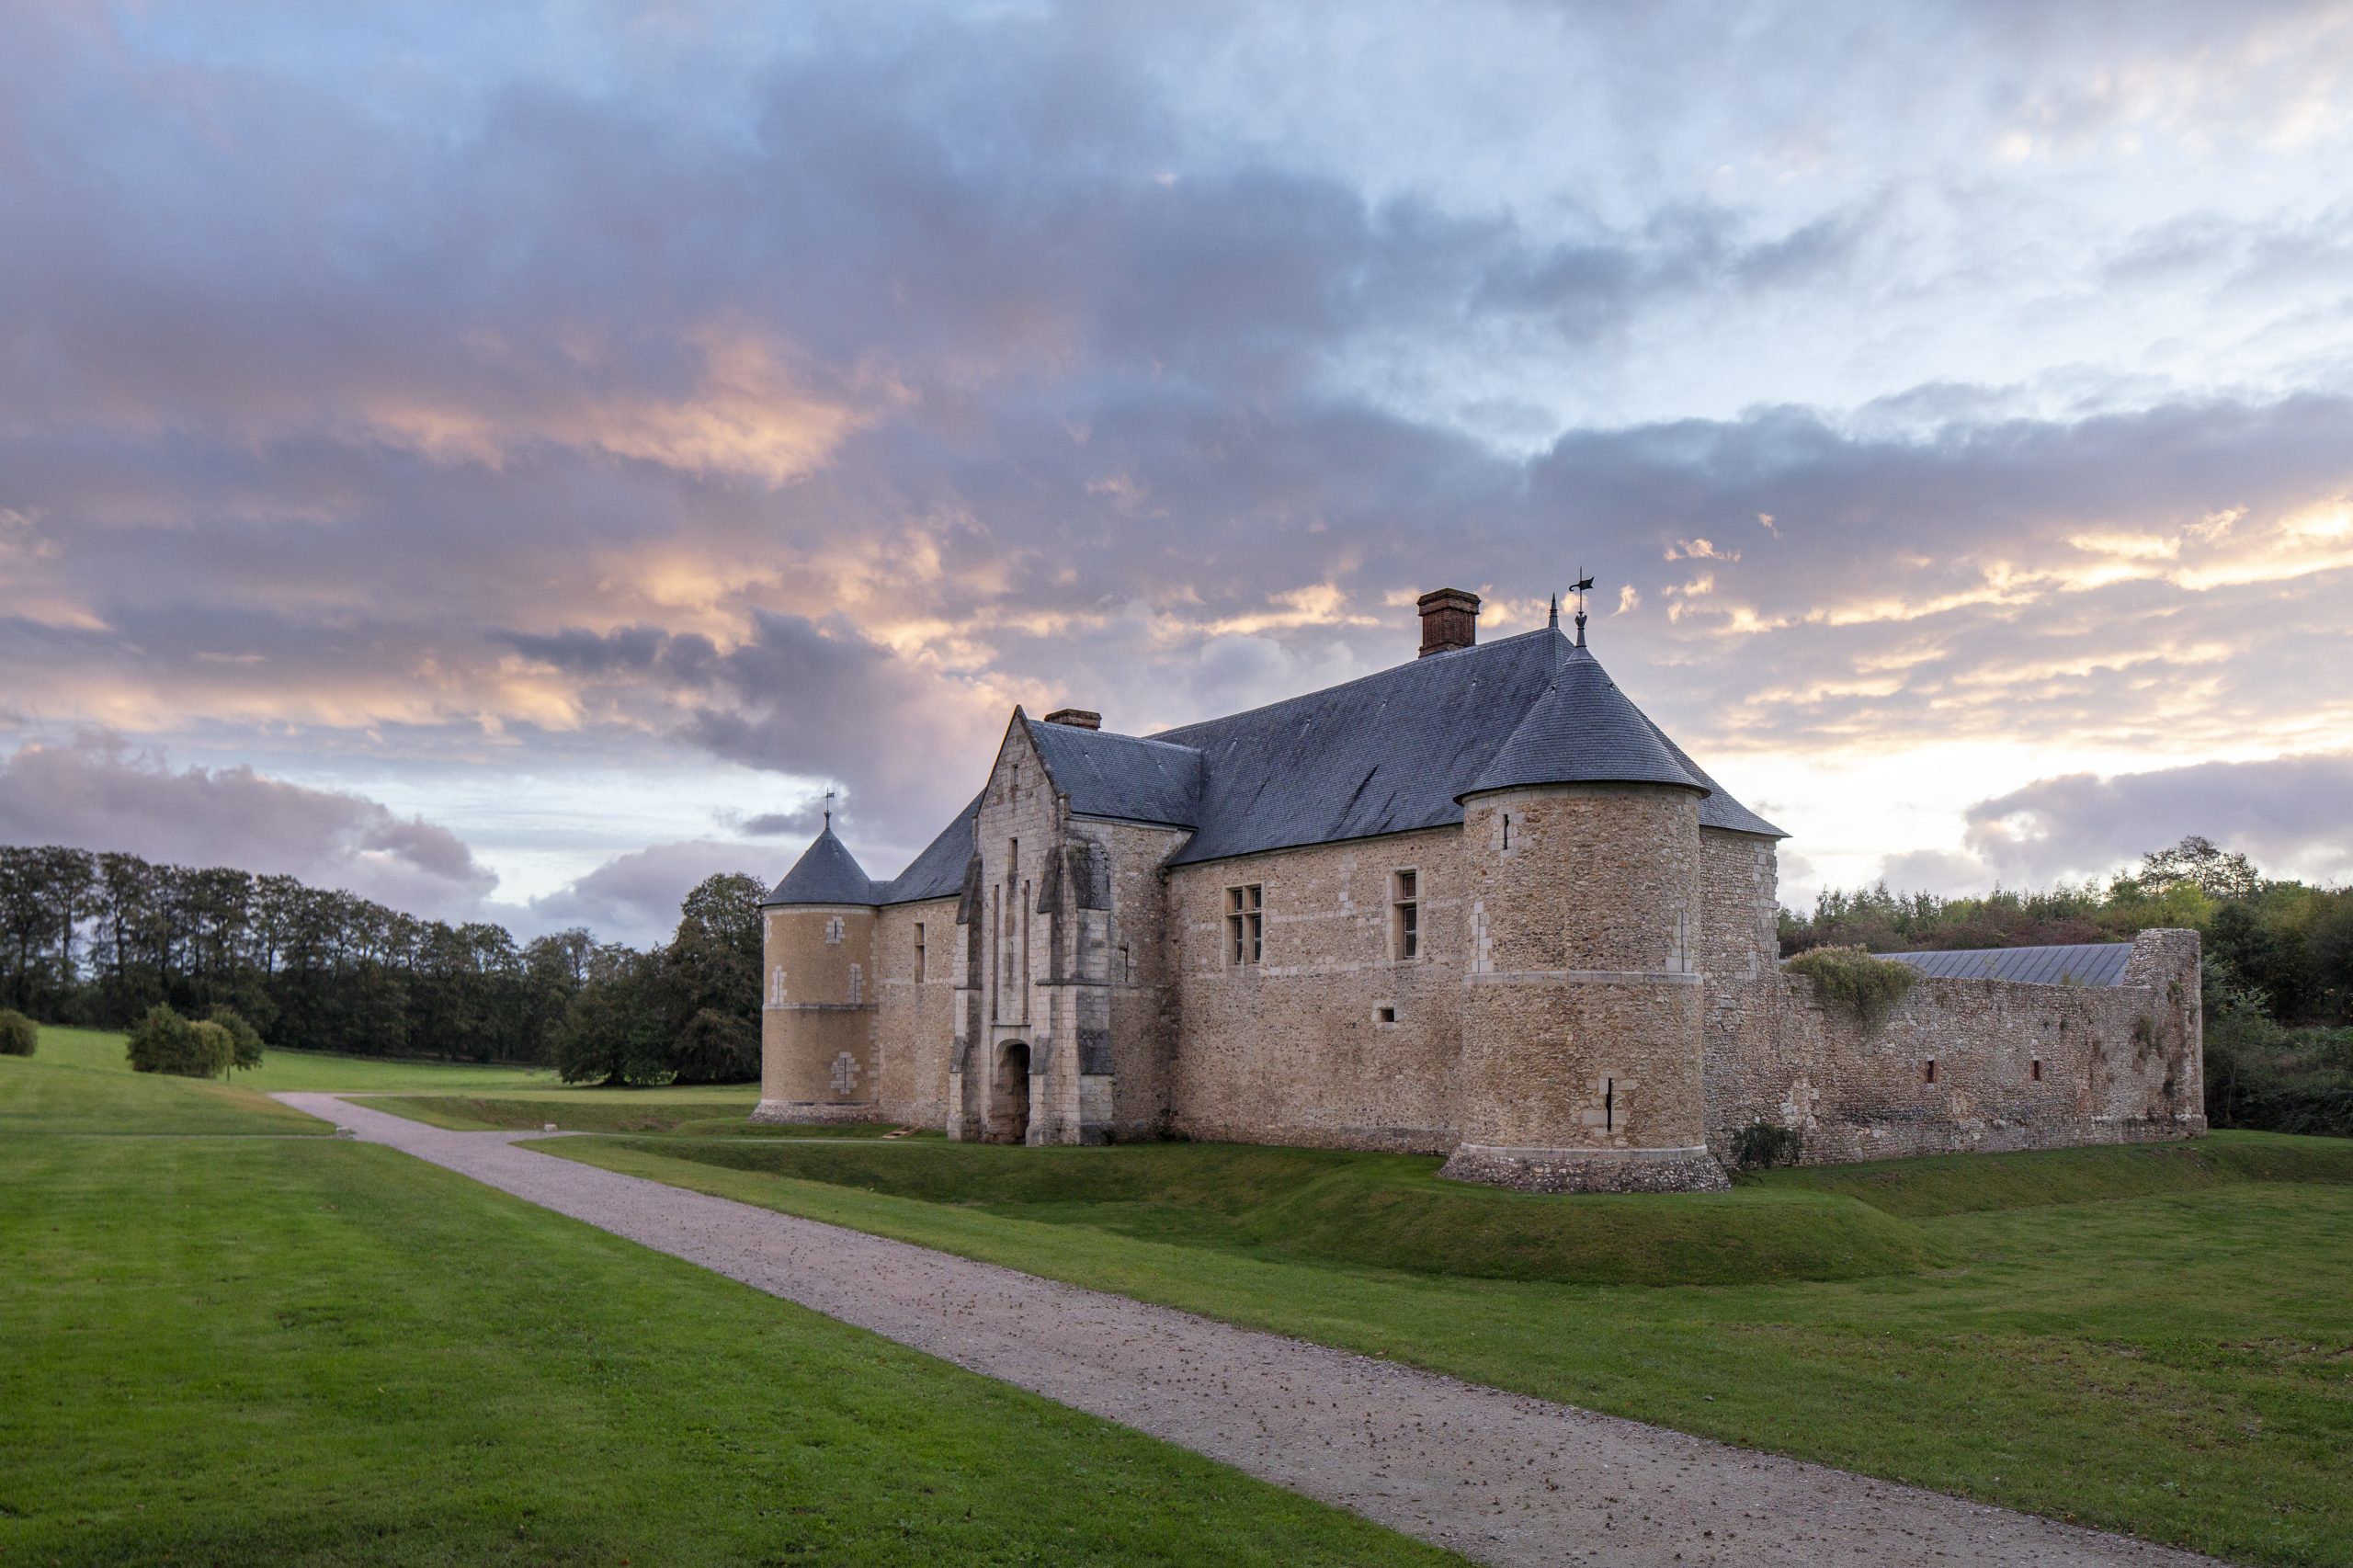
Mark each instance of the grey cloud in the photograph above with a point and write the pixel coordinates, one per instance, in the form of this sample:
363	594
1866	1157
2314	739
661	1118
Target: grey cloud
94	791
1115	407
782	824
635	898
1950	873
1592	288
795	696
2288	813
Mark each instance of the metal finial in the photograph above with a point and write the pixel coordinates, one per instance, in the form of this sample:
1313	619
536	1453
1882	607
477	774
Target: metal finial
829	808
1553	622
1584	584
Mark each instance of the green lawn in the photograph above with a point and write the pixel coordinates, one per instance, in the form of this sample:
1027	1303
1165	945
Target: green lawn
77	1082
703	1111
2152	1339
101	1050
308	1350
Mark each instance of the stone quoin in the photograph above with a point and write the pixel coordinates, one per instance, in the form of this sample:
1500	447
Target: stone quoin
1476	906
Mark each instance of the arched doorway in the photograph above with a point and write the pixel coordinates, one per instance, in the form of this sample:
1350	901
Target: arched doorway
1009	1095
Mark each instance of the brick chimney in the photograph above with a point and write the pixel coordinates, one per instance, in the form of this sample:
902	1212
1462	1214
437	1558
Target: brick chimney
1076	718
1450	620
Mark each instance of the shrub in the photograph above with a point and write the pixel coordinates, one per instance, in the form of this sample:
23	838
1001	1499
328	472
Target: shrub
244	1039
1763	1144
19	1035
2262	1074
163	1042
1869	987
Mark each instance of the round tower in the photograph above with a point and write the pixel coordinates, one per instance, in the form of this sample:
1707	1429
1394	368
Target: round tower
1583	1013
817	999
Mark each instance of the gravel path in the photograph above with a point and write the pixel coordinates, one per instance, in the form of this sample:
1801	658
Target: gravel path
1501	1477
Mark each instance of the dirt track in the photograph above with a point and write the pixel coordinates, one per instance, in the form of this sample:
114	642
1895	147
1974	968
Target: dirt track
1496	1476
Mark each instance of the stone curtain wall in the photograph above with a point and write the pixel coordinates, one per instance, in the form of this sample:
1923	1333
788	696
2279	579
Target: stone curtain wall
1291	1050
915	1022
2119	1063
1139	1024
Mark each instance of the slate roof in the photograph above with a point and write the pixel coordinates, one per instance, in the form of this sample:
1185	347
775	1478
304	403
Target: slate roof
825	873
938	871
1395	751
1582	730
2077	963
1130	776
1387	753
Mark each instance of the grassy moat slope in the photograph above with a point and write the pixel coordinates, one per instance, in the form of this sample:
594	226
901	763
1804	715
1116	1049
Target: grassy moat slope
231	1348
2155	1339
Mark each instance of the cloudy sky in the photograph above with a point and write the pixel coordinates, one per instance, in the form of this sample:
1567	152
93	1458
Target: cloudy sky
510	461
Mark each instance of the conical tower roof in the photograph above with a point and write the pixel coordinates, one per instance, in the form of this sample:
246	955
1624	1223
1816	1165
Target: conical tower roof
1582	730
825	873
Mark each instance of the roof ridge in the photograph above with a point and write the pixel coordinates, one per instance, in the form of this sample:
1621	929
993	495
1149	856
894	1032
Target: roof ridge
1116	734
1421	663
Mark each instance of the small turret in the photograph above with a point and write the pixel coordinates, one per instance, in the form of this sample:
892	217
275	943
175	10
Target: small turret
817	1003
1583	1015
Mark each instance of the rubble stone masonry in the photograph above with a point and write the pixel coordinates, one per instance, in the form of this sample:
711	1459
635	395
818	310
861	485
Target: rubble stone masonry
1593	1001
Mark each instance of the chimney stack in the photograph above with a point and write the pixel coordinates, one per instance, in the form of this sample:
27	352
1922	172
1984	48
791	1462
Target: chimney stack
1450	620
1076	718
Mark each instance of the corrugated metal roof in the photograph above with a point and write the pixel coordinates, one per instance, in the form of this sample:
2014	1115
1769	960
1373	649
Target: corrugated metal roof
825	873
2075	964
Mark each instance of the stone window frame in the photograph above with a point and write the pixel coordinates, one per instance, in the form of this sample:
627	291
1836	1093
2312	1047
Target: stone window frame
923	959
1245	924
1407	934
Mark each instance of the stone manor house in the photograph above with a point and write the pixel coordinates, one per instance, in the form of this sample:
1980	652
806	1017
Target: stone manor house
1476	904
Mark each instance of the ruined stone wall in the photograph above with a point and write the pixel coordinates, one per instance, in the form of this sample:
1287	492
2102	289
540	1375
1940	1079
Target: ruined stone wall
2116	1065
817	1014
914	1019
1293	1049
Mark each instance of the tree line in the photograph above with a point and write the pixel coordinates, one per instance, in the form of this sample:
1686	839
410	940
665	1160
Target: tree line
99	940
2279	964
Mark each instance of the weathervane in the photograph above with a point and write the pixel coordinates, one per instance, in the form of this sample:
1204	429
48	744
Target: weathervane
1584	584
829	806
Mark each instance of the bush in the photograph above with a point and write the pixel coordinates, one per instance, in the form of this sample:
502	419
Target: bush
163	1042
1762	1144
19	1035
1868	987
2261	1075
244	1039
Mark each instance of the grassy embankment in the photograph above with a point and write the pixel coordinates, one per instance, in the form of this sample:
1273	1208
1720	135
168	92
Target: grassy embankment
2157	1339
279	1350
